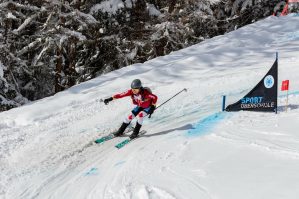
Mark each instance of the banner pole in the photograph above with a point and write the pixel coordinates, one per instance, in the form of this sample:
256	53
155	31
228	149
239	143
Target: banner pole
287	100
277	83
223	102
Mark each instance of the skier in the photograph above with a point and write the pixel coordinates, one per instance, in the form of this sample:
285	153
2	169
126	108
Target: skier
145	103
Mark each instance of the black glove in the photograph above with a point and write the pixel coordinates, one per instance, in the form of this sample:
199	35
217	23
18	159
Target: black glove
106	101
152	109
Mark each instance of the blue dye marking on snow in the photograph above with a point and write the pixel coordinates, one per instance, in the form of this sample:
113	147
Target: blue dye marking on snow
92	171
294	14
119	163
292	36
205	125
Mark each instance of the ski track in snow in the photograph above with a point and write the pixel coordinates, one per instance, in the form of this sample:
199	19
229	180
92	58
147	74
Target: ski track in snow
191	150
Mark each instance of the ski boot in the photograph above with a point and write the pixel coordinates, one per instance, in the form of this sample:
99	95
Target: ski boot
121	130
136	131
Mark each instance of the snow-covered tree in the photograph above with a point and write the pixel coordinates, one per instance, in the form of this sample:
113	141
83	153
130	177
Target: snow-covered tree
47	46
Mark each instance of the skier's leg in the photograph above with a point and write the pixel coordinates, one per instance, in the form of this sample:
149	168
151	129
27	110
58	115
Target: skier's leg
133	114
129	118
138	126
141	116
121	129
127	121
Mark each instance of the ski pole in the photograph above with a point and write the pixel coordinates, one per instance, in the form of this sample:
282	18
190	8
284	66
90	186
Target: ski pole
168	100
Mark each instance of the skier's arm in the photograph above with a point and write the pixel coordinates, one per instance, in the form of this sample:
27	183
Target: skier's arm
124	94
117	96
153	98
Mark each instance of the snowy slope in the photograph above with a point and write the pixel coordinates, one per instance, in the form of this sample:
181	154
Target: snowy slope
191	150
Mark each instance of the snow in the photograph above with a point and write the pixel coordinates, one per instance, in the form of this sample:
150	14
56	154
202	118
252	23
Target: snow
30	46
153	10
164	26
89	18
1	70
109	6
112	6
129	3
66	35
191	149
214	1
79	35
132	54
10	16
24	24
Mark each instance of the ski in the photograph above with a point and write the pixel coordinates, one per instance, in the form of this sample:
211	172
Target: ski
110	136
128	140
104	139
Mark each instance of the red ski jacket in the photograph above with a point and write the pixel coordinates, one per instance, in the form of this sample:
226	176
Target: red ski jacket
143	99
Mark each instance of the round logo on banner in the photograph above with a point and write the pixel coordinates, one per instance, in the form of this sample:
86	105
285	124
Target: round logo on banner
269	81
